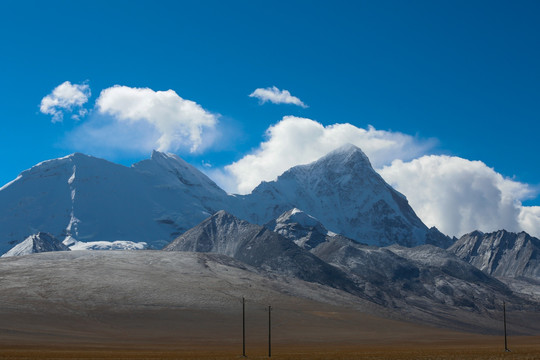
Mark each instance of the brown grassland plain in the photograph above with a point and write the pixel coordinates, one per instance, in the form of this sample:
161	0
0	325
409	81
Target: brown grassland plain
156	305
524	348
329	334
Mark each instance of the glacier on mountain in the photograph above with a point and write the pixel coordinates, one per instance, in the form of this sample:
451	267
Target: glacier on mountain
89	199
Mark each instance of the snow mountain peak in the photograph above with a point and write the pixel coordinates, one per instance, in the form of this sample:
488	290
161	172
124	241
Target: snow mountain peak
167	158
178	172
91	199
348	153
340	165
346	194
40	242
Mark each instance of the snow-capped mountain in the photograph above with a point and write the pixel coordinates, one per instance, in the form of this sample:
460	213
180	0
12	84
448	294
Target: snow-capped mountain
37	243
90	199
257	246
344	193
81	199
89	203
501	253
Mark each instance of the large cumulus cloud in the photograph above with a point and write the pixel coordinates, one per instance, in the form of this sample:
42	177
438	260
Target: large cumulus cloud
459	195
138	120
179	122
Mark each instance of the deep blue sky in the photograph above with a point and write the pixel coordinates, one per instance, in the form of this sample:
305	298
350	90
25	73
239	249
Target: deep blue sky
466	73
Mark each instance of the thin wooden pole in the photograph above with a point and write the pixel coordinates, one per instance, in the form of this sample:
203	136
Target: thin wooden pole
505	336
269	331
243	327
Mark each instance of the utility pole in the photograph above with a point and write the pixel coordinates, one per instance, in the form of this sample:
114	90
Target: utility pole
269	331
505	338
243	327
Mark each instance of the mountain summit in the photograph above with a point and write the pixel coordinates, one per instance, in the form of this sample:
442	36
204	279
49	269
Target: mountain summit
345	193
88	199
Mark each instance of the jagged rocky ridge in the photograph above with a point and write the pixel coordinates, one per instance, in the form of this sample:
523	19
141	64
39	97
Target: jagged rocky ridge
394	275
427	281
225	234
501	253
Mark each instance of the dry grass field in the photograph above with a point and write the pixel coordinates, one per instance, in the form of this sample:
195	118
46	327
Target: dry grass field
524	348
296	335
152	305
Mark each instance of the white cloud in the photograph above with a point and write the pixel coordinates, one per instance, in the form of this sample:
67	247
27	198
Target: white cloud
529	219
454	194
66	97
458	195
295	141
276	96
144	119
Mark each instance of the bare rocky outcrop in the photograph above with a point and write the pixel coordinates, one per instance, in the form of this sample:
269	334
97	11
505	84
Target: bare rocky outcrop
501	253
